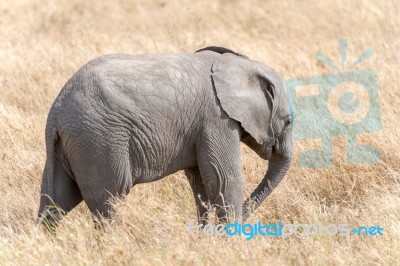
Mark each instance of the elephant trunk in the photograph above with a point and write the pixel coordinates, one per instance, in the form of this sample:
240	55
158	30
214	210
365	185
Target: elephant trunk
278	166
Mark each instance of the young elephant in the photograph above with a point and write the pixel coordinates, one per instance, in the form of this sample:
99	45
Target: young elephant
123	120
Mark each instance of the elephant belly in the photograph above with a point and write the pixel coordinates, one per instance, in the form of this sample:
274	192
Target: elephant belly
153	162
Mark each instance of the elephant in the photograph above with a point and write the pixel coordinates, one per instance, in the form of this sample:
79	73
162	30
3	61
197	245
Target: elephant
123	120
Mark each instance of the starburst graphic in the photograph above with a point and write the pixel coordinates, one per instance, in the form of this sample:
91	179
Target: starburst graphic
343	49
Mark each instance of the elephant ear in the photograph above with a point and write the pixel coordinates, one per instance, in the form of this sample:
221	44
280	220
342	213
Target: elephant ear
246	91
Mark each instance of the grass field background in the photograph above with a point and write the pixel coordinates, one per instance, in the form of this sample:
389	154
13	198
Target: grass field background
43	44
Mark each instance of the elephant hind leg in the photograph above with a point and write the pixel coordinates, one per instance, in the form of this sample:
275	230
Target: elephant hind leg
102	181
66	195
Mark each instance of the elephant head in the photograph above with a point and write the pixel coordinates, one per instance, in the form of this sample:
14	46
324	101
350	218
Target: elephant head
255	95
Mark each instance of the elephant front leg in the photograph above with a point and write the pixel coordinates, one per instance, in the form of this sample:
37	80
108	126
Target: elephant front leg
225	193
199	193
221	174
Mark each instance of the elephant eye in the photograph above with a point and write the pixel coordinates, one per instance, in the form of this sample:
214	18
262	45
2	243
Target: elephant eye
289	120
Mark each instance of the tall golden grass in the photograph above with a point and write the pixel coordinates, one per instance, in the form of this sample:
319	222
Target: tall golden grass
43	43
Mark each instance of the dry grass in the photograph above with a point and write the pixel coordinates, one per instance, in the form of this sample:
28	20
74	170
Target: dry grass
42	46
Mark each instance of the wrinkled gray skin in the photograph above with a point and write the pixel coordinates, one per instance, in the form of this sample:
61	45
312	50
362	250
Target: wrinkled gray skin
123	120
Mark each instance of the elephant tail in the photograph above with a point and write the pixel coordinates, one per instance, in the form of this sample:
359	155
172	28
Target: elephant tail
51	134
47	191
